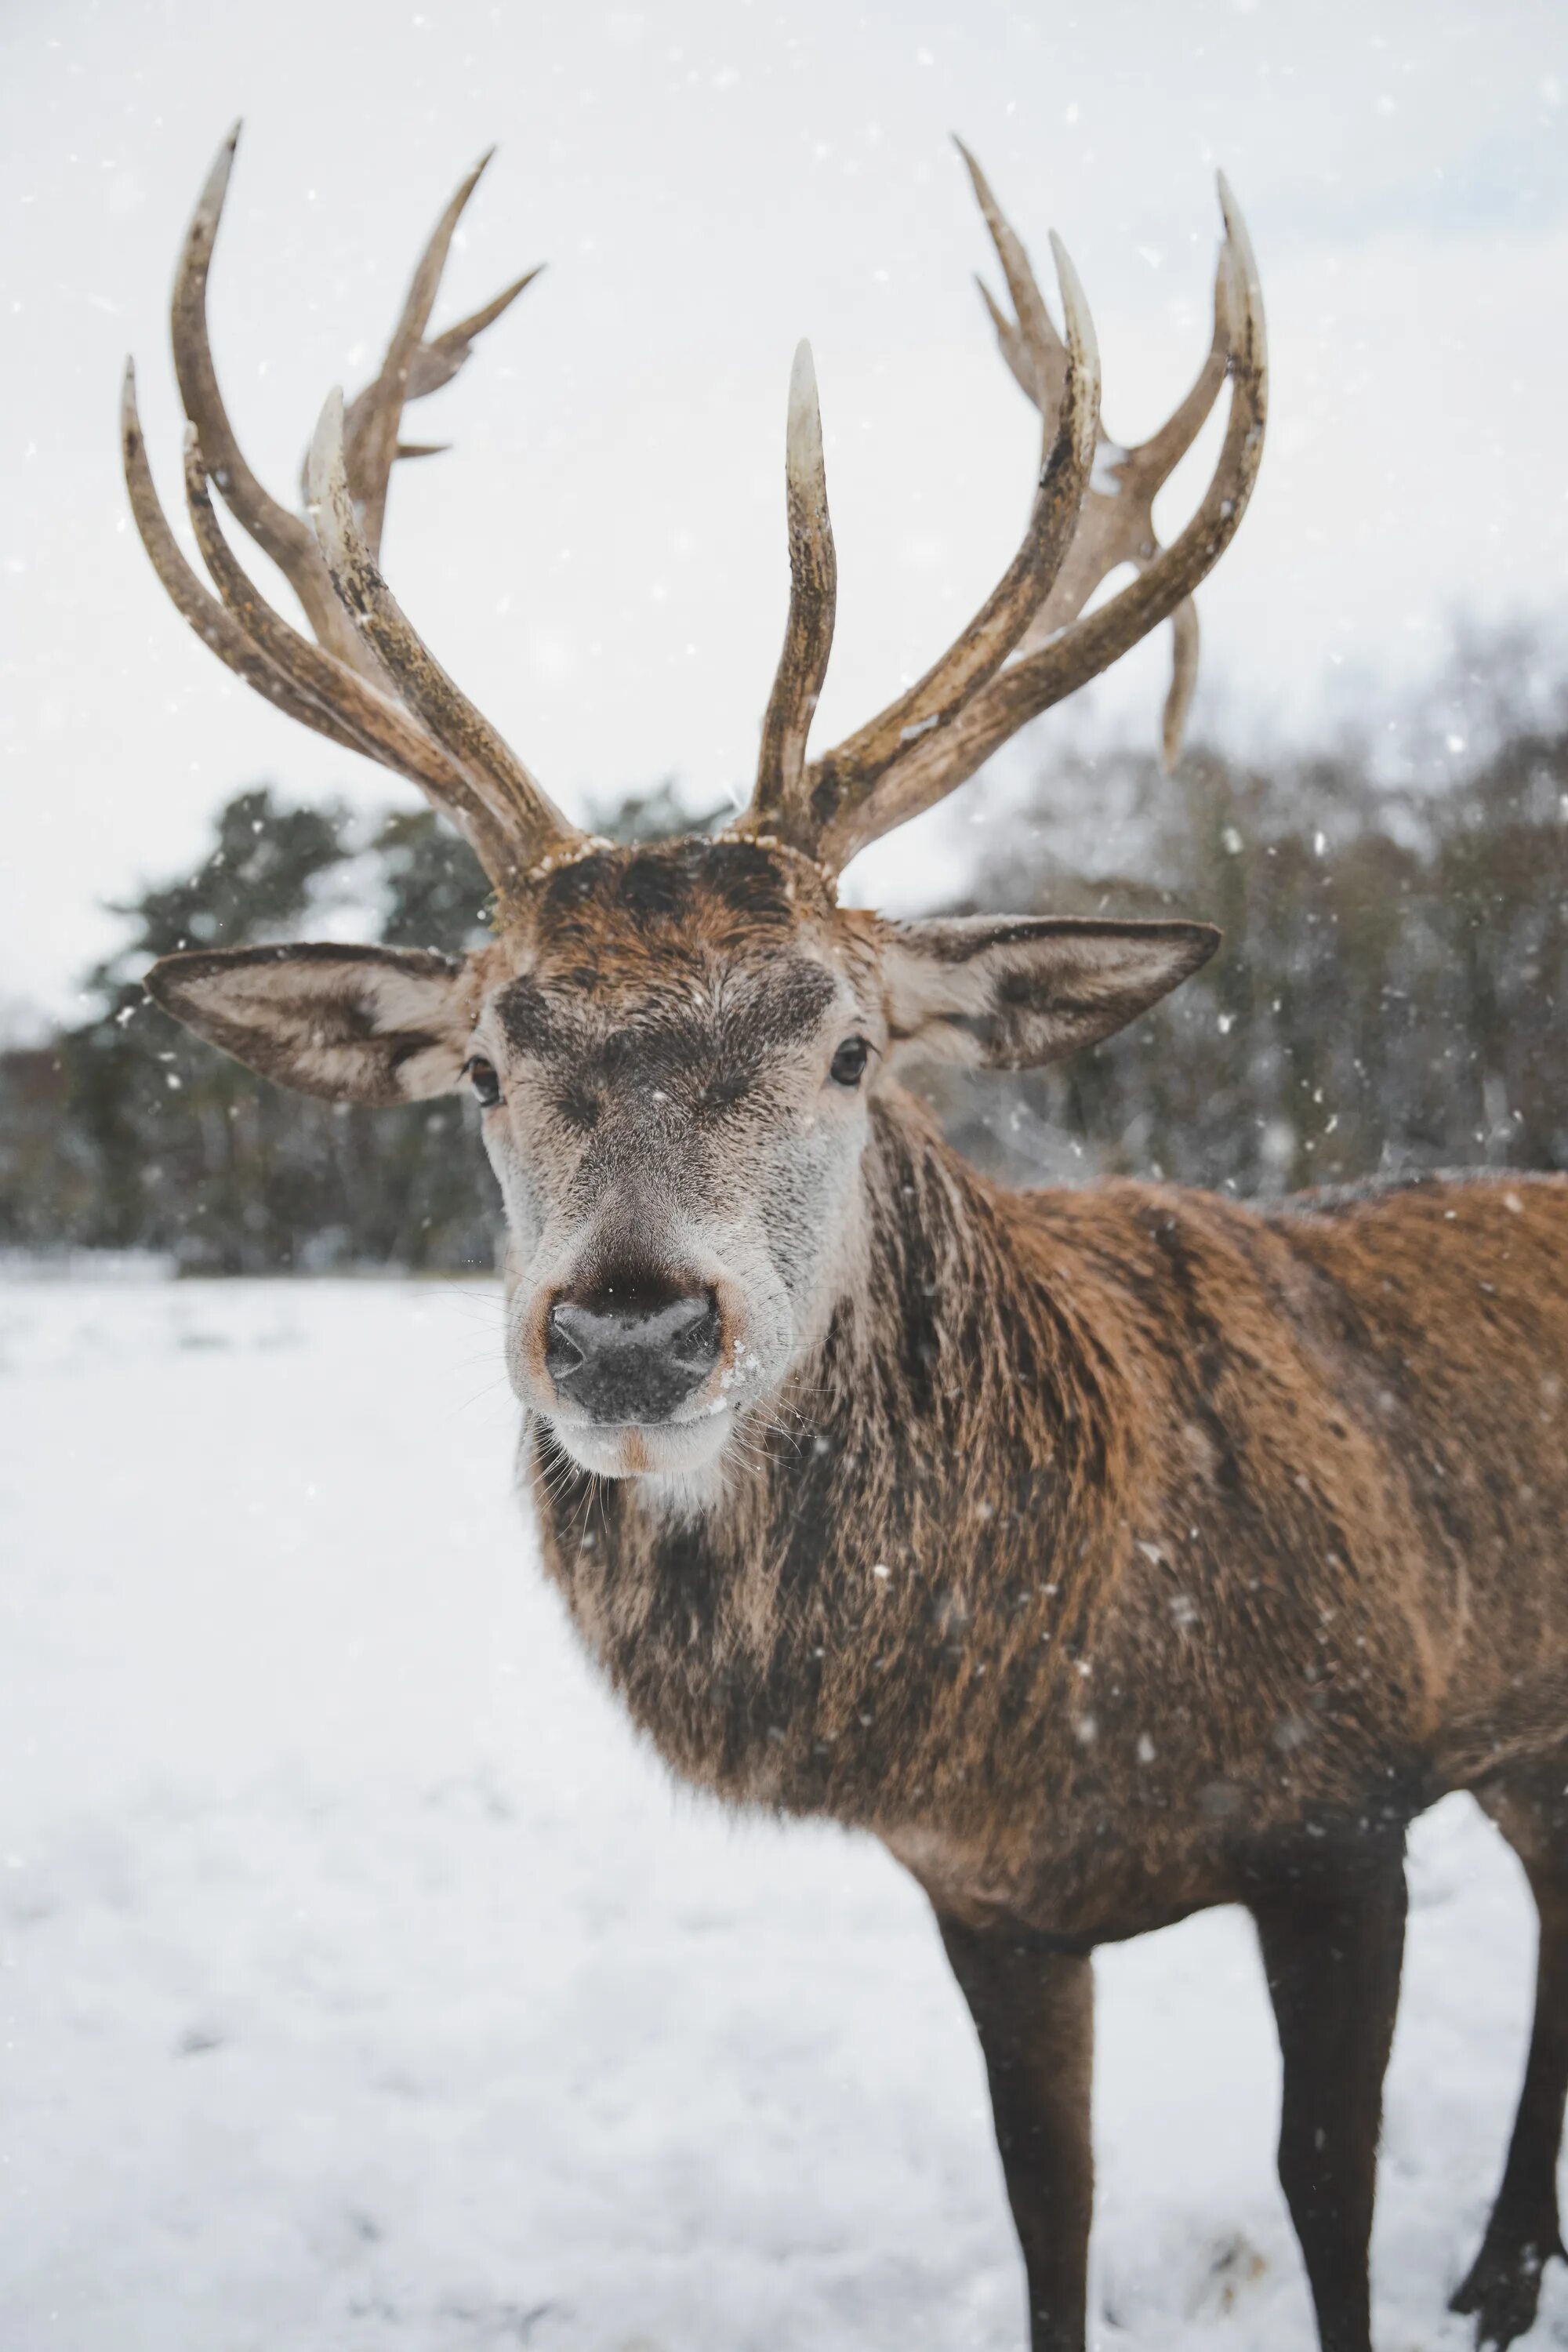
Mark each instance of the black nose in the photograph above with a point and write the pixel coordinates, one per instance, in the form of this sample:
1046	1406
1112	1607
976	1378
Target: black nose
632	1354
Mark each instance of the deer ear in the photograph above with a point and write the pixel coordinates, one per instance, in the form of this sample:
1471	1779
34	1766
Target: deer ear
375	1025
1010	993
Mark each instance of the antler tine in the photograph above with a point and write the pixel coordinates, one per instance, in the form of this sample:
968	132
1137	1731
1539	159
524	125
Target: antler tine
1155	460
436	362
813	596
1032	347
933	768
413	367
357	713
288	670
285	537
534	826
1186	638
192	598
1117	525
845	777
1010	339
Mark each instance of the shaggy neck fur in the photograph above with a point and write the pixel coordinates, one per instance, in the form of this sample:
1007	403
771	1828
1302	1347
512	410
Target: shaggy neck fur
899	1569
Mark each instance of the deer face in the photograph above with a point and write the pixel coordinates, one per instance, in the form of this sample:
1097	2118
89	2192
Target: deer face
675	1052
674	1084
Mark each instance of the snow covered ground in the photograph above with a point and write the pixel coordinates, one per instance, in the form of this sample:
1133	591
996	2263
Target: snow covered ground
367	1989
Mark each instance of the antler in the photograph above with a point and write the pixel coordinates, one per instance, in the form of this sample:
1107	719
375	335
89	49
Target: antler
812	597
780	804
1117	524
367	682
1030	645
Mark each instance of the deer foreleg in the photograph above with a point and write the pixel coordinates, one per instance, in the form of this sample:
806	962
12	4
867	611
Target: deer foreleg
1033	2006
1332	1934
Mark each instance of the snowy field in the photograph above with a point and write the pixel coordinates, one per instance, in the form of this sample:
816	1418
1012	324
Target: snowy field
366	1988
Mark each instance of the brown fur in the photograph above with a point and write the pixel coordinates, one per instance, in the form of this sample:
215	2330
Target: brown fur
1199	1525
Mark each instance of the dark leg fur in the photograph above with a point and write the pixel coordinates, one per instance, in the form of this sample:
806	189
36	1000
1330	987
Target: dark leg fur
1503	2286
1033	2006
1333	1933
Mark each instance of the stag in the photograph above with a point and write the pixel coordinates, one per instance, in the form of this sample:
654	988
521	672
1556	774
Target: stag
1108	1553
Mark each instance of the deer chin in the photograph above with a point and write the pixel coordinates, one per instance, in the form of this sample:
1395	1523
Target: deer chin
677	1451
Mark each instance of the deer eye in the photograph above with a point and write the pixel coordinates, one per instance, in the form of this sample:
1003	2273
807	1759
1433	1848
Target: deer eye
481	1076
847	1067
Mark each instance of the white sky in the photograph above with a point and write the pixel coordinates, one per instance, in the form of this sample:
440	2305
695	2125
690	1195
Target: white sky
602	559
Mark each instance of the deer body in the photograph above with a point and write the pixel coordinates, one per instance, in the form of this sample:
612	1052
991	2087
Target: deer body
1107	1554
1112	1535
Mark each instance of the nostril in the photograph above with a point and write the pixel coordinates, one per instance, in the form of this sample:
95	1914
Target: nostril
696	1331
562	1353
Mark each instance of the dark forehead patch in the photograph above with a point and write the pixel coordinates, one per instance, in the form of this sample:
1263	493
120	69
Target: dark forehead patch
794	997
527	1017
686	955
639	892
736	1016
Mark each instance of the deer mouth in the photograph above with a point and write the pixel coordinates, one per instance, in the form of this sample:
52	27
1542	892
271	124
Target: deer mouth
645	1449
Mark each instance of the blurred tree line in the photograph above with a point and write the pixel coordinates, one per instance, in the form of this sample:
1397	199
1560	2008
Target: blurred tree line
1388	996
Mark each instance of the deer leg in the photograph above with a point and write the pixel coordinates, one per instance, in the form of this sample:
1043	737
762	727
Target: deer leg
1503	2284
1333	1936
1033	2006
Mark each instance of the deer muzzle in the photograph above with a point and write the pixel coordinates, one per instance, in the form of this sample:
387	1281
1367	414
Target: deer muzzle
629	1357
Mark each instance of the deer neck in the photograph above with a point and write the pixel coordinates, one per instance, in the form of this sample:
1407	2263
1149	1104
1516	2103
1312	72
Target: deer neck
913	1539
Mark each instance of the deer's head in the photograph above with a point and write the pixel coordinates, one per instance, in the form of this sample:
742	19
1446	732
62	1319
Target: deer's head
676	1048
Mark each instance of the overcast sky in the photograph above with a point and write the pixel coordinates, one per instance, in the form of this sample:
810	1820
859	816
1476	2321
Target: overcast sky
602	559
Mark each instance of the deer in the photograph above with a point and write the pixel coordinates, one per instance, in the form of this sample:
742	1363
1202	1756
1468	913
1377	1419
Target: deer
1108	1553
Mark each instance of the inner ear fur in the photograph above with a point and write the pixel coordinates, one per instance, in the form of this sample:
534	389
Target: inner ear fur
372	1025
1013	992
